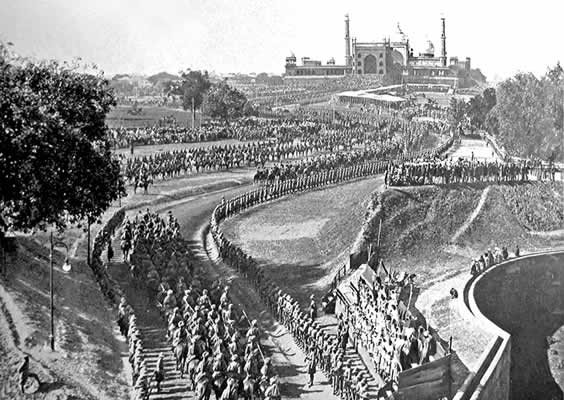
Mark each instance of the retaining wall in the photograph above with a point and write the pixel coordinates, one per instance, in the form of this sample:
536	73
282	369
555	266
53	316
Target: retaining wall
510	280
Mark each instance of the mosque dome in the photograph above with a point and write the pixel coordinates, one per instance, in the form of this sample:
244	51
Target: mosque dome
430	48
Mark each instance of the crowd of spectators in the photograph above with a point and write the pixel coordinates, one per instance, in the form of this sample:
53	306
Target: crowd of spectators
380	323
165	134
490	258
297	91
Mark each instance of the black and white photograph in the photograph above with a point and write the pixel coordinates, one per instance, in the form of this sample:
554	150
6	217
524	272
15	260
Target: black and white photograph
281	200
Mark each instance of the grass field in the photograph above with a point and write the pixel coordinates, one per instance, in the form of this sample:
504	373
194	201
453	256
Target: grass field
149	116
301	240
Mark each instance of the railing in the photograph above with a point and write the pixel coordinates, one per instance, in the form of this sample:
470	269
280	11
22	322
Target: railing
339	276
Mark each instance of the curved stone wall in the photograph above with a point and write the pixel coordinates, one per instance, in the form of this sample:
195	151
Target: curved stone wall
519	301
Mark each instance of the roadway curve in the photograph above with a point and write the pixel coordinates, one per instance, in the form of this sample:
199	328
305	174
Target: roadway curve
194	214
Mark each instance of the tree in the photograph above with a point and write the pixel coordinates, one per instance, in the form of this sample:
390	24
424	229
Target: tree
56	164
480	106
225	102
457	113
528	115
192	87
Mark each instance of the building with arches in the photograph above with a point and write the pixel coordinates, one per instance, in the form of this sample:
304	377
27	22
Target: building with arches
392	57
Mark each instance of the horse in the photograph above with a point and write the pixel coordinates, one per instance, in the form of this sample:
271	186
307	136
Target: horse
259	176
202	388
190	365
180	353
231	390
218	383
250	387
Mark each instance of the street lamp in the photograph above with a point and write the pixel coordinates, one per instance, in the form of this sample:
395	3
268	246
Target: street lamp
66	268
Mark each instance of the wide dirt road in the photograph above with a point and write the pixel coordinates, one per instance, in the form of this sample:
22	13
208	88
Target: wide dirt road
193	214
476	147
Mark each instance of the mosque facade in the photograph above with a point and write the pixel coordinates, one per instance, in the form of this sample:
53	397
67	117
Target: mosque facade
387	57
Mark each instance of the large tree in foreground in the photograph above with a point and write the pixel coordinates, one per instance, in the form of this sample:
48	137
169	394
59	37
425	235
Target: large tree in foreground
56	165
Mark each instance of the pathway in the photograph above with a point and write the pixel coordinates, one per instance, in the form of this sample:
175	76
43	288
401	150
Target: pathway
464	227
477	147
152	329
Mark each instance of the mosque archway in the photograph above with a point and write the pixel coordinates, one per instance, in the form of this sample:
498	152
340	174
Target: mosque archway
397	58
370	64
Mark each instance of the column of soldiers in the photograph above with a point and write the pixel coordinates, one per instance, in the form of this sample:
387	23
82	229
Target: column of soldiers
322	349
313	136
127	323
303	182
461	171
217	346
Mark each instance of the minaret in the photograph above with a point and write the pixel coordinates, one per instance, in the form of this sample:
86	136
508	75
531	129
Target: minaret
348	60
443	44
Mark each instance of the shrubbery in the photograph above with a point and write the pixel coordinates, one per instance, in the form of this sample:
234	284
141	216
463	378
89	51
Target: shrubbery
537	206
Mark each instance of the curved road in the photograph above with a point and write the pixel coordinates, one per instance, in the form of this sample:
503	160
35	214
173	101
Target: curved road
193	214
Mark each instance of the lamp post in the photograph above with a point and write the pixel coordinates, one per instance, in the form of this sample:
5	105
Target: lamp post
66	268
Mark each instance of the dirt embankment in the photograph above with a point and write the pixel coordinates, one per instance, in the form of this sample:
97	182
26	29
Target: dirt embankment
420	225
87	362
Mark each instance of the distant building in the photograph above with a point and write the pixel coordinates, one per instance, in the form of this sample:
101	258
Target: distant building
314	68
389	57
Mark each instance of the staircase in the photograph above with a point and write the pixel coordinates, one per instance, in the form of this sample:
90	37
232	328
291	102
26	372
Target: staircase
152	329
173	386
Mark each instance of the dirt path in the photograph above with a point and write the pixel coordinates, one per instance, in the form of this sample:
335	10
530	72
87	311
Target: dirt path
472	216
476	148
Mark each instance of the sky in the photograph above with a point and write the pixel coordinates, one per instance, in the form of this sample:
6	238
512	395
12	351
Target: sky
149	36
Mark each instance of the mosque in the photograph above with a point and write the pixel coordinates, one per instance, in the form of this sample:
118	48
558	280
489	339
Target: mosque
388	57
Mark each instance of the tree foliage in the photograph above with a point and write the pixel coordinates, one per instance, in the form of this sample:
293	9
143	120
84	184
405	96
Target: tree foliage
56	164
457	113
480	106
192	87
225	102
528	116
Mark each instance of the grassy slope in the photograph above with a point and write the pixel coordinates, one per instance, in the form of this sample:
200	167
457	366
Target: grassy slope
88	356
87	324
417	228
305	237
537	206
417	222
